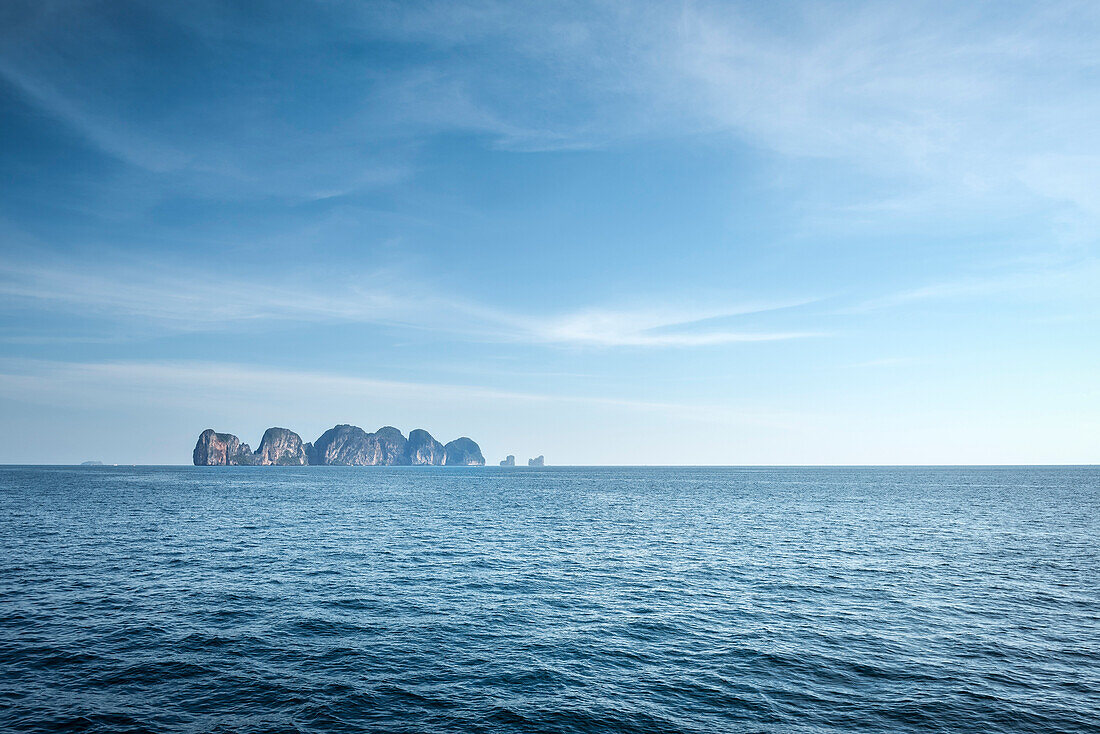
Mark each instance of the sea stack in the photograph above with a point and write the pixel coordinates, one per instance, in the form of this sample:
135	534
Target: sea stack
539	460
509	460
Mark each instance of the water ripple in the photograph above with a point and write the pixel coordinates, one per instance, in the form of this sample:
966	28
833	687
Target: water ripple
553	600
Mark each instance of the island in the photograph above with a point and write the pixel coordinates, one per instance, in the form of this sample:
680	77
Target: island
539	460
342	445
91	463
509	460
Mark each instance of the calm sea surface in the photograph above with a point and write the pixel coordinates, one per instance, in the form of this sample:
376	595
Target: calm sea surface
420	599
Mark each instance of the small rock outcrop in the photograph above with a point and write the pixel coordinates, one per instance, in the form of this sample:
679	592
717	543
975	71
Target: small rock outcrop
509	460
221	449
463	452
539	460
342	445
281	447
423	449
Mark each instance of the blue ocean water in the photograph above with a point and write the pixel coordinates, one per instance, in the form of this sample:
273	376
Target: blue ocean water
433	599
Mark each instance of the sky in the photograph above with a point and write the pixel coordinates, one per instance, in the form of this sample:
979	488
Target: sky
606	232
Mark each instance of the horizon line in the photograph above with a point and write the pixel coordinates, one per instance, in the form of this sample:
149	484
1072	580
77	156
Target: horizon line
107	465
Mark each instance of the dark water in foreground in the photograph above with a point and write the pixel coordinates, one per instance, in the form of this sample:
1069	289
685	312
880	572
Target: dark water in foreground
560	600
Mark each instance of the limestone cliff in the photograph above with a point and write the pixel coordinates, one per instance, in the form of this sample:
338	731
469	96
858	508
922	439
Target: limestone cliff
342	445
463	452
282	447
392	446
221	449
423	449
345	445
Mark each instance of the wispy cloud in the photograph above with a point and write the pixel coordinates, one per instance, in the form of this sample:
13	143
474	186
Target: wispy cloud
106	132
184	301
192	301
968	98
961	97
659	327
1076	281
168	384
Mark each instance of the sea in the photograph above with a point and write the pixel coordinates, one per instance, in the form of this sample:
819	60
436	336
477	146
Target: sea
558	599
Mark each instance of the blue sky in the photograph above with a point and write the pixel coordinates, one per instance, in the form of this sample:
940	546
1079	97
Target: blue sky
728	233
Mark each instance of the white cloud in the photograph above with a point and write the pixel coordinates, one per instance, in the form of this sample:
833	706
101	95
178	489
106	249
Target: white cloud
657	327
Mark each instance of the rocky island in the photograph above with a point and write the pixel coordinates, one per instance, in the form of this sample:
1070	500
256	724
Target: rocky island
342	445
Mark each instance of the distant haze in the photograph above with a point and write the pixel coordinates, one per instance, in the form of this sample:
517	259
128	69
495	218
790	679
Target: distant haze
608	233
